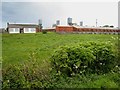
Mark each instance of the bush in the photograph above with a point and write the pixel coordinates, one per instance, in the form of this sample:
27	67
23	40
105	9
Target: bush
105	57
29	74
90	57
44	32
13	77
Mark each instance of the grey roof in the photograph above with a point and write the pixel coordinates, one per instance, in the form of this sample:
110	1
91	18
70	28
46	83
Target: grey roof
22	25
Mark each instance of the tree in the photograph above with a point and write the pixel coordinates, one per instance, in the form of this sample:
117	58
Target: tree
54	25
106	26
112	26
40	27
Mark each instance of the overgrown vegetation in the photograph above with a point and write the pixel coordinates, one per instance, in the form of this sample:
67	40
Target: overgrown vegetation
79	61
87	58
29	74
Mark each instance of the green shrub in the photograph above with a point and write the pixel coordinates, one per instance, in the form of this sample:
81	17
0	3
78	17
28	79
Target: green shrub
29	74
44	32
89	57
13	77
105	57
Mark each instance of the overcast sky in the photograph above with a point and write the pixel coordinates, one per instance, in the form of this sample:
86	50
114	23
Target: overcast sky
49	12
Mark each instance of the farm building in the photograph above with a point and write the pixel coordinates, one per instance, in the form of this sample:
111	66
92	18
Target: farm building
33	28
23	28
92	30
65	29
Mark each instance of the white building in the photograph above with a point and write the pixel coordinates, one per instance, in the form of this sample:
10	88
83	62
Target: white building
22	28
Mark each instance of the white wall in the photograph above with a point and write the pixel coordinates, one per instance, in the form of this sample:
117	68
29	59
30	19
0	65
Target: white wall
14	30
29	30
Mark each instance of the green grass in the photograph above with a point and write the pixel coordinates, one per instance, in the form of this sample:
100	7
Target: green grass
17	47
90	81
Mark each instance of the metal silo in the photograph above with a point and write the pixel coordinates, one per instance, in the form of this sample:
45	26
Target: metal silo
40	25
69	21
81	23
40	22
58	22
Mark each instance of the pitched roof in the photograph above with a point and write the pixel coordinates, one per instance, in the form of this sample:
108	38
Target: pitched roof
22	25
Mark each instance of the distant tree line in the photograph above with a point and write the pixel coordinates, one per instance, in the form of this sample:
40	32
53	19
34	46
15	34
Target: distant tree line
108	26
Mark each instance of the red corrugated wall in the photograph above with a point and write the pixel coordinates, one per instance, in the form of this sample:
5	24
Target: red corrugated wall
74	29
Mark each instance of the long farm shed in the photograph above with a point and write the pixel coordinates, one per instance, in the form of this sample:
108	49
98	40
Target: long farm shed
96	30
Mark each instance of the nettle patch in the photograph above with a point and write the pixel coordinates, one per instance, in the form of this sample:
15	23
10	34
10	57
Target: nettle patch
84	58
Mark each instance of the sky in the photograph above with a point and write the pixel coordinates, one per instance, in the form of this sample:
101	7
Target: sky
30	12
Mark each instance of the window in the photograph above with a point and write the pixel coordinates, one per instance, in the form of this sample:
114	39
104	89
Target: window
16	29
32	29
26	29
29	30
11	29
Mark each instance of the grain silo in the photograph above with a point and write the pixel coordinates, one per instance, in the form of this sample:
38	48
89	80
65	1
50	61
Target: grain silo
69	21
81	23
58	22
39	22
40	25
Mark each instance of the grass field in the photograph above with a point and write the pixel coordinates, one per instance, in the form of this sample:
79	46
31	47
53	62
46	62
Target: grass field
17	48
